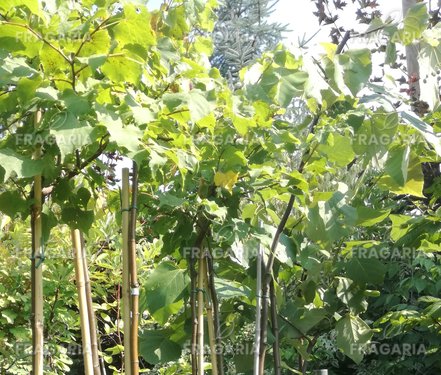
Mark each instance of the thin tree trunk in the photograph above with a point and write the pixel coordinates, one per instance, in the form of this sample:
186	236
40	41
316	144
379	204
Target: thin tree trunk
413	67
267	281
91	313
216	319
134	290
37	271
211	328
125	271
102	365
258	310
196	252
82	302
275	329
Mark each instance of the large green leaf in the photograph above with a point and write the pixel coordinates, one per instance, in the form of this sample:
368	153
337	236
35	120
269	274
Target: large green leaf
303	319
23	166
122	68
70	134
415	23
77	218
412	186
12	203
338	150
397	164
353	336
425	130
227	289
156	347
32	5
127	136
366	270
199	106
291	85
357	66
135	27
19	41
162	290
368	217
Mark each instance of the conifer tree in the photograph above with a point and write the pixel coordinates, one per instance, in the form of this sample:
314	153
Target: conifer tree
243	32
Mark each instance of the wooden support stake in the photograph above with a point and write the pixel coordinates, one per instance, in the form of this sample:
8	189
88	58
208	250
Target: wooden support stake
201	272
91	313
82	301
134	287
257	333
125	270
37	270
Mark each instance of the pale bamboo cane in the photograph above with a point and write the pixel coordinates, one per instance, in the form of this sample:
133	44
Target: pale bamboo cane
91	313
125	270
134	287
82	301
201	272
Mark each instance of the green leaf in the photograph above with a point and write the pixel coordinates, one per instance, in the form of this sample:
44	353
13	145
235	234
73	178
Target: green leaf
353	335
135	27
366	270
291	85
77	218
227	289
338	150
167	199
425	130
415	23
19	41
20	333
176	22
368	217
414	184
12	203
198	106
122	69
303	319
32	5
70	134
162	290
9	315
124	136
96	45
357	67
52	61
397	164
23	166
156	347
12	70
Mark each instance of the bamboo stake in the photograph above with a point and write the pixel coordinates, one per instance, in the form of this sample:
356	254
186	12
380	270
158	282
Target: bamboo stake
194	319
211	329
125	271
37	270
201	272
258	310
134	290
90	313
82	299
